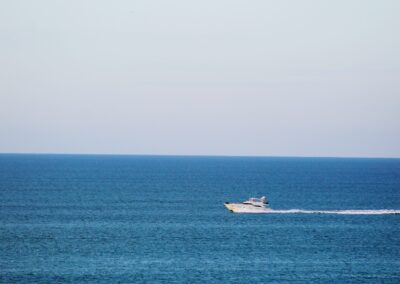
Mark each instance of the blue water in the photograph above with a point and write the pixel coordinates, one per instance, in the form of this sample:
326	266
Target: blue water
149	219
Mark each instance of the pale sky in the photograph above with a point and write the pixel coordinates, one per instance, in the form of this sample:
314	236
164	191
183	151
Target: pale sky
210	77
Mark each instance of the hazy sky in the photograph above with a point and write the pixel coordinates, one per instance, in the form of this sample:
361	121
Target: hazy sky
225	77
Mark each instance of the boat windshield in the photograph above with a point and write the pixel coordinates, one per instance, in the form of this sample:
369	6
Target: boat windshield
257	200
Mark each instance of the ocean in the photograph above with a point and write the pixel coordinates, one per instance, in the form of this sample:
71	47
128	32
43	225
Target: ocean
161	219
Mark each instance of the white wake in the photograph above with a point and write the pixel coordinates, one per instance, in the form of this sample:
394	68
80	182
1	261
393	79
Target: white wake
343	212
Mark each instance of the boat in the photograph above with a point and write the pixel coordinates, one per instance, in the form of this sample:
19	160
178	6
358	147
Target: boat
252	205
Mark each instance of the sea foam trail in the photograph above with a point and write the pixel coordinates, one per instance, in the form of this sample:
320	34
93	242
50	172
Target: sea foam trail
343	212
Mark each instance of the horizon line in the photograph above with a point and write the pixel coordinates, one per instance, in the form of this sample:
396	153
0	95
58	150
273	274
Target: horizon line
197	155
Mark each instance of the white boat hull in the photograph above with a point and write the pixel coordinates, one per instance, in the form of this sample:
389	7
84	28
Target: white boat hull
245	208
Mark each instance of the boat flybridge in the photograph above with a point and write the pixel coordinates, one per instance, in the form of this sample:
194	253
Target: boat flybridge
253	205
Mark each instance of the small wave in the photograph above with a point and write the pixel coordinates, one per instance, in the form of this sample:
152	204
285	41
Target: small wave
343	212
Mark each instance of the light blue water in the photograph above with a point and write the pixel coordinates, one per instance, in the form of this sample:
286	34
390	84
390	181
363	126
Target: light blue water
132	219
